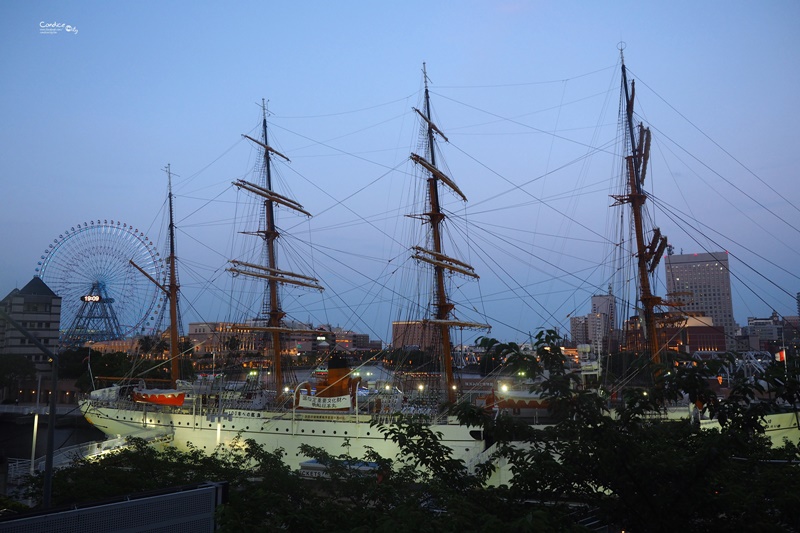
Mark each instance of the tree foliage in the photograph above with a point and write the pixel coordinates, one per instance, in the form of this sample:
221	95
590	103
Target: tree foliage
643	471
14	369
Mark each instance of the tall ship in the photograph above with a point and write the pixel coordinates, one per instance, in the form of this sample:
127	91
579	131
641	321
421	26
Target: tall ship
330	409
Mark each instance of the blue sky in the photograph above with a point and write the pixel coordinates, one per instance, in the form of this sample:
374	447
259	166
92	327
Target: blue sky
527	92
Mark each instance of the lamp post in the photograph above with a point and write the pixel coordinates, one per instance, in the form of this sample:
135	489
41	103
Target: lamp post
47	490
36	422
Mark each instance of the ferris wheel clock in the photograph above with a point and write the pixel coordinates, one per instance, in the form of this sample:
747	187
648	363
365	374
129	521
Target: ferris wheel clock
96	298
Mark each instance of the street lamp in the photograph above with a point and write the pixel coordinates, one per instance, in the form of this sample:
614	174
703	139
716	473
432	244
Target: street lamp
47	490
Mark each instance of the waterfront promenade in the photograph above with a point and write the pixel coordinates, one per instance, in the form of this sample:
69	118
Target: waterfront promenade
43	409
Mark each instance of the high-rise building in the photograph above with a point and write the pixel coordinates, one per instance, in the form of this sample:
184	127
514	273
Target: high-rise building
596	328
579	329
605	304
703	283
599	332
602	321
764	332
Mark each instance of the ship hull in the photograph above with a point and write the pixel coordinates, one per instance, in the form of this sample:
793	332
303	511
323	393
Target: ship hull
206	429
778	426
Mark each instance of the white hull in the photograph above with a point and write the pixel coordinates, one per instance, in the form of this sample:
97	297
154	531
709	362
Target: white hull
205	429
777	426
782	426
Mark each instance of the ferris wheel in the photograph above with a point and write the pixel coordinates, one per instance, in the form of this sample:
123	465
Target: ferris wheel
104	296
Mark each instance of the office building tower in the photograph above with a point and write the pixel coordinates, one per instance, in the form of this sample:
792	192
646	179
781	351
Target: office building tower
703	283
602	322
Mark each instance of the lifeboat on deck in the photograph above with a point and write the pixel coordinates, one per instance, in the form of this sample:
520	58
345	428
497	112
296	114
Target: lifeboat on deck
159	396
516	401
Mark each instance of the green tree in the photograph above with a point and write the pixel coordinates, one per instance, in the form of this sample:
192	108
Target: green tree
644	472
146	343
152	344
110	367
233	344
186	348
74	363
491	359
14	369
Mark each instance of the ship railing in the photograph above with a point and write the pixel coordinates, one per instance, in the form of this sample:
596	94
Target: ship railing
388	414
429	416
483	457
43	409
66	456
17	469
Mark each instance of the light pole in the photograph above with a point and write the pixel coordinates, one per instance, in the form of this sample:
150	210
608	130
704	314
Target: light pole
36	422
47	490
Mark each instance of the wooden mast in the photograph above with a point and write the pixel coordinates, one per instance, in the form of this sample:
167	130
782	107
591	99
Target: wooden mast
174	348
170	290
443	307
271	305
648	254
272	302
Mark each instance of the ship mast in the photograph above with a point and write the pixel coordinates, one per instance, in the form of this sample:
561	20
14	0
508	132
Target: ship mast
170	290
435	257
271	300
173	293
271	306
648	254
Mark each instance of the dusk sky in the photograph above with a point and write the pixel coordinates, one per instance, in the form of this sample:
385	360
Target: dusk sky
98	97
